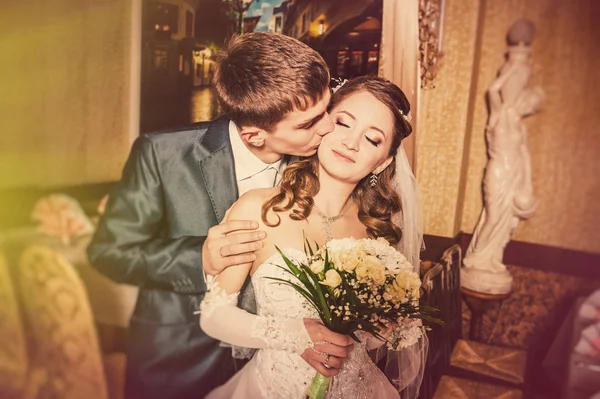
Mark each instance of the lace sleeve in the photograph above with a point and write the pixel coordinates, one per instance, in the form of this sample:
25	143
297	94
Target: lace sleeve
221	319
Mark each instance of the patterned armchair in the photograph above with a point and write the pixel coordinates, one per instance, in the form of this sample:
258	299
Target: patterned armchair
65	357
13	351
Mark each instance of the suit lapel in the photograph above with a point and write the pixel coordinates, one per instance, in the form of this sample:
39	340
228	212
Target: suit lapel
218	170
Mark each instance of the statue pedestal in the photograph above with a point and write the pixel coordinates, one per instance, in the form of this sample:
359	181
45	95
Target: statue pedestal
478	303
486	281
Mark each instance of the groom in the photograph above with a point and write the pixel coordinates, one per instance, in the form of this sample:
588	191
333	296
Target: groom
177	185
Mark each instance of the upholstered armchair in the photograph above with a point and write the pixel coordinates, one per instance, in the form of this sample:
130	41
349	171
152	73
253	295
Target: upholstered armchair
14	362
65	357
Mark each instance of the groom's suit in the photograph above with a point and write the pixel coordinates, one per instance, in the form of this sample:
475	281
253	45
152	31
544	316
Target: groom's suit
175	186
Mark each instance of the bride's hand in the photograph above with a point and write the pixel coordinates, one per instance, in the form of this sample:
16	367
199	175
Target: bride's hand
329	350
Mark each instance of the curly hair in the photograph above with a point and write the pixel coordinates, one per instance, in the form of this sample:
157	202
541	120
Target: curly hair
376	205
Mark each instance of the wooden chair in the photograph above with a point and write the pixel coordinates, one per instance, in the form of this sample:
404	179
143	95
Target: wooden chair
442	291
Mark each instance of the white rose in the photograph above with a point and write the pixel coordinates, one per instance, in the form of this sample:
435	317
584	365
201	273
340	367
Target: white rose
351	260
362	271
332	278
378	274
406	285
317	266
335	257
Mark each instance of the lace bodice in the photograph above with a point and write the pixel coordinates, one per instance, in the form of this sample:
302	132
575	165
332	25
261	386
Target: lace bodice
278	300
277	371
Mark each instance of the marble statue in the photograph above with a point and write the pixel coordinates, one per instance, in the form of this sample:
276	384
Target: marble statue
507	186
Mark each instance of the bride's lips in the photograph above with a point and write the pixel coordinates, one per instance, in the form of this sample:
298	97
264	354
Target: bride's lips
344	157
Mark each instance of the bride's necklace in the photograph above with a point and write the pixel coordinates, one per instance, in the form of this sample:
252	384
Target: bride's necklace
328	220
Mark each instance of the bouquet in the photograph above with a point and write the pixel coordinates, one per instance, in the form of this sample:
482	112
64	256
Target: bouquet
360	284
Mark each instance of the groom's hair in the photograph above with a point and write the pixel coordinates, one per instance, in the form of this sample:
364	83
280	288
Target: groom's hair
261	77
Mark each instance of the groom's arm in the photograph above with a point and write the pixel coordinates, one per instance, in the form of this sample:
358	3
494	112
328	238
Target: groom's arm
127	246
222	319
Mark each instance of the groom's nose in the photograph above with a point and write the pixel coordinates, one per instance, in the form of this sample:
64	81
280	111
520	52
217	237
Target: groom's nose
325	125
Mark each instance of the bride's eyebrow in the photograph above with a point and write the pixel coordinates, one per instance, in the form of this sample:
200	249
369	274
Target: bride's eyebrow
377	129
349	114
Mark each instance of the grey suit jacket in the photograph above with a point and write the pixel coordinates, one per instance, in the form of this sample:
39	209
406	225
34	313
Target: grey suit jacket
175	186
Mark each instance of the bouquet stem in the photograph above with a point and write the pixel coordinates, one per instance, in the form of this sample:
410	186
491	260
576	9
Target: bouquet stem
318	387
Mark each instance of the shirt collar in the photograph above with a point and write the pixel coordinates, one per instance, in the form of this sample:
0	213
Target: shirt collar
246	163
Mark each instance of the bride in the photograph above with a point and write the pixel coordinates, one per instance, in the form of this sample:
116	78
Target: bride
348	189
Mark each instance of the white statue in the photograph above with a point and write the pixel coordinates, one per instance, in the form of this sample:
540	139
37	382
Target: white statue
507	188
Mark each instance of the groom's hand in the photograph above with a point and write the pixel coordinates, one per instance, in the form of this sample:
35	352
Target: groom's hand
222	249
330	348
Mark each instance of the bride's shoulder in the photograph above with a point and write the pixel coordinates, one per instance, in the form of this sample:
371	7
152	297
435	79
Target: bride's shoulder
250	203
258	195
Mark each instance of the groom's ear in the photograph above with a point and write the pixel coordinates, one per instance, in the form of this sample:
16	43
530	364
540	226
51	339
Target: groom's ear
253	136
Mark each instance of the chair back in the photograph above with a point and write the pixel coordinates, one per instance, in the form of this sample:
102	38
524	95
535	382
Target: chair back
66	359
14	361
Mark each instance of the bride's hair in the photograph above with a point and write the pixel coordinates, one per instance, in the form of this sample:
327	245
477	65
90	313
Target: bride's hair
376	205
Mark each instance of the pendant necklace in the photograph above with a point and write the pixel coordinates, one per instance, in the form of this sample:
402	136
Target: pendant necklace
328	220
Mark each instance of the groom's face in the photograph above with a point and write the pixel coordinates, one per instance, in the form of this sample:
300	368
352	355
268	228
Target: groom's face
301	132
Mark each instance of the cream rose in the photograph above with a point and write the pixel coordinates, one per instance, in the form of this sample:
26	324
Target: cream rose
371	269
405	286
332	278
317	266
378	274
350	261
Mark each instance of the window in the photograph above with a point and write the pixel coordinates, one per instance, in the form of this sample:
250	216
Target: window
373	62
342	60
161	60
305	21
160	17
189	24
278	23
357	57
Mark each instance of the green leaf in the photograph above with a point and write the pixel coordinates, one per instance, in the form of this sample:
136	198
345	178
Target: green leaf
321	298
307	248
295	269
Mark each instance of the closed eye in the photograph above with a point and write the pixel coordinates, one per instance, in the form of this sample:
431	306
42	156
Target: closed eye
342	124
308	126
375	143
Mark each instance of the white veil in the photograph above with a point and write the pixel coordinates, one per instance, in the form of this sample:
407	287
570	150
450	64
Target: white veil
410	218
405	367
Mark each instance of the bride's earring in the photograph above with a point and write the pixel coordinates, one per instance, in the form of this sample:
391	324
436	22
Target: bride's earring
373	180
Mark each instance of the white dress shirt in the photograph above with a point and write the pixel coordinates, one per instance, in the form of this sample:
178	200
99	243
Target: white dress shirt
250	171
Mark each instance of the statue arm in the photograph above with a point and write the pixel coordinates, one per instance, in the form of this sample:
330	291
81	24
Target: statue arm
526	159
494	91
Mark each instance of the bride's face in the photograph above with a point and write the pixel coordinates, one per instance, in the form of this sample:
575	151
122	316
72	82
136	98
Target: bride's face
361	140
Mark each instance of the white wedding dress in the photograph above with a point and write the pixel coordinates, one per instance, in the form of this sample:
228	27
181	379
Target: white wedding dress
277	370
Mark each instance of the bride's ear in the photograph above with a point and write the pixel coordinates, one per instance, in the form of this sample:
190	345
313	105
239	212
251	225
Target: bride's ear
253	136
382	166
